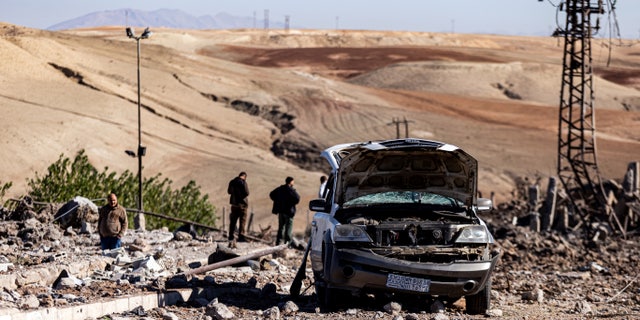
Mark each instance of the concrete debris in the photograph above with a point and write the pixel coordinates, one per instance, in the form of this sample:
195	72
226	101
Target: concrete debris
218	311
47	265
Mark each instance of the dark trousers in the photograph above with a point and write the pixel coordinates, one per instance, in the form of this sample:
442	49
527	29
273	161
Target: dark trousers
108	243
285	228
237	213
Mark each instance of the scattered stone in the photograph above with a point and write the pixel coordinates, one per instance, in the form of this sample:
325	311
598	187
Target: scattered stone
29	302
412	316
583	307
218	310
440	316
254	265
170	316
392	308
494	313
352	311
182	236
536	295
272	313
289	308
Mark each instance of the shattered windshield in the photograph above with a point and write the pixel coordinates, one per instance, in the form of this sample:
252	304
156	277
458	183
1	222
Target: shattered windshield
401	197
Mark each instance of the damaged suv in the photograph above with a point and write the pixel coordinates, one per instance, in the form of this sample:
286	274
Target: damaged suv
400	217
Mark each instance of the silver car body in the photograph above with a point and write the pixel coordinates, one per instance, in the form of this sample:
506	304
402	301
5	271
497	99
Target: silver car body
400	216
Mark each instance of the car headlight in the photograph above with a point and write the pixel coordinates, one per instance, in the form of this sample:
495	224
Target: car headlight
474	234
352	233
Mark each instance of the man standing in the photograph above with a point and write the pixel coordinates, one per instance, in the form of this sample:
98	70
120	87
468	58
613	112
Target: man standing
285	198
239	191
112	223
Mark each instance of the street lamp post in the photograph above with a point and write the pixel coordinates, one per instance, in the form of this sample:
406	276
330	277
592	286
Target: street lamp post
139	221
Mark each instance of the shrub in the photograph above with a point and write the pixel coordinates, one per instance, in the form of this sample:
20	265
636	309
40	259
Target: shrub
66	179
3	191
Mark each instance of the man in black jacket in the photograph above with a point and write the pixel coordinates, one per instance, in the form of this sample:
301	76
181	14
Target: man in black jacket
285	198
239	200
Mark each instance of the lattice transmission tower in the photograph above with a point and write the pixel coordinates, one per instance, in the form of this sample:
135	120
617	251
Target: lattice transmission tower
577	161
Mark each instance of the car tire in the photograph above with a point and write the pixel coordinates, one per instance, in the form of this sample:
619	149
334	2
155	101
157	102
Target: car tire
479	302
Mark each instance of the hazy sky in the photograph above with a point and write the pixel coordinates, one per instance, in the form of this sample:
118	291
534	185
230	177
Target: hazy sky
514	17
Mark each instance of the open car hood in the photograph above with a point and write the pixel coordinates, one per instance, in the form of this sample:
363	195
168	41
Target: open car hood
403	164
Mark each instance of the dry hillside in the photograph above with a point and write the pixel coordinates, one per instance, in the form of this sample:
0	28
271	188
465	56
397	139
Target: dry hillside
217	102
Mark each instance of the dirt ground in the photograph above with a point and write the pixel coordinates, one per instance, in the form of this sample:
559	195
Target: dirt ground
547	275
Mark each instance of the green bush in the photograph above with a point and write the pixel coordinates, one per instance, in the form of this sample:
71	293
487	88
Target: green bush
3	191
66	179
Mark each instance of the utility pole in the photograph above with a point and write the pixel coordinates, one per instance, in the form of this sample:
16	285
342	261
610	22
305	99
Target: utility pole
139	221
406	127
396	121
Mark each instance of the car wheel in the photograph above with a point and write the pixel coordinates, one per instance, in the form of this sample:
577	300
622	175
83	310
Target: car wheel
321	288
479	302
331	299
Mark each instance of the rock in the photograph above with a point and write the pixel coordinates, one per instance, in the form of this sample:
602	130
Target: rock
182	236
393	308
412	316
352	312
29	302
583	307
272	313
440	316
534	295
150	264
289	307
170	316
494	313
254	265
218	310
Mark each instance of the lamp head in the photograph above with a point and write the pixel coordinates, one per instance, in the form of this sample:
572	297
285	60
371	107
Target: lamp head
146	33
130	33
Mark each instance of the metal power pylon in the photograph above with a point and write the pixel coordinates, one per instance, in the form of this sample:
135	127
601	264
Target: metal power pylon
577	165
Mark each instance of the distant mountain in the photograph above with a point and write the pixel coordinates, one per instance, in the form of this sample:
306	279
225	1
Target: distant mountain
166	18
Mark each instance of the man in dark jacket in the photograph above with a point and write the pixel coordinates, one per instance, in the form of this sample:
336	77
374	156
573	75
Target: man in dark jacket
239	200
112	223
285	198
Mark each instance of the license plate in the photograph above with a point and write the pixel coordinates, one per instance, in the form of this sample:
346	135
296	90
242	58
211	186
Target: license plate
408	283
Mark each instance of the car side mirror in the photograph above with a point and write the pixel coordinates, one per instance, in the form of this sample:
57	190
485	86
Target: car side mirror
484	204
318	205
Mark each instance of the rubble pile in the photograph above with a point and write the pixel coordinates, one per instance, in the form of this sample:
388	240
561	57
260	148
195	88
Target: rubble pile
542	274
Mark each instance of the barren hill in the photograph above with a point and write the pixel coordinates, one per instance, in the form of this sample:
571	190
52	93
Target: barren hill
217	102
